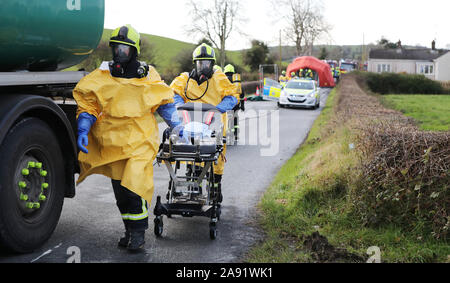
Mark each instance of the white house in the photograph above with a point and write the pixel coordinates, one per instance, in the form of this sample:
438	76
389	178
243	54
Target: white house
433	63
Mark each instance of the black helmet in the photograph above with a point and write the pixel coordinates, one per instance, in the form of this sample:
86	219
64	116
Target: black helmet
204	59
125	43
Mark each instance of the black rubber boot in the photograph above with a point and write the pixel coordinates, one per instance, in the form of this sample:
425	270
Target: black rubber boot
219	192
123	242
218	185
137	241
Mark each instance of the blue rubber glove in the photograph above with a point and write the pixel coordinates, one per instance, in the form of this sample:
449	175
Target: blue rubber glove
85	122
169	113
227	104
179	101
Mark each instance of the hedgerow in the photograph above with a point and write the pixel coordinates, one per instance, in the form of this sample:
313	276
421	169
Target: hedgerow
405	172
392	83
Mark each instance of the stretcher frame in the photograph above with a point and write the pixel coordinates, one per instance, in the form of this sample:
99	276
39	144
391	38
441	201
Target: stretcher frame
185	192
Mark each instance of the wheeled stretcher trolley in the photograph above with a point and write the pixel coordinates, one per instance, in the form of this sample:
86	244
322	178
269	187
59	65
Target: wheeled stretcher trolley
190	153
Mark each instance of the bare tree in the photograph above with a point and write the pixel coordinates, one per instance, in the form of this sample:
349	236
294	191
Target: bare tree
216	22
316	28
297	17
305	23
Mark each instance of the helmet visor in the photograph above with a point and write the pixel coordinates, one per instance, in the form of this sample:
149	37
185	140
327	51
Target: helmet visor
204	67
121	53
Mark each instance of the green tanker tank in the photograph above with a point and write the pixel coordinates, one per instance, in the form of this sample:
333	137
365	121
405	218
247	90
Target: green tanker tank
48	35
38	38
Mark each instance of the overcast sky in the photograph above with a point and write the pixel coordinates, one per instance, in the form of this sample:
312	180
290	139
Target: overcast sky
411	21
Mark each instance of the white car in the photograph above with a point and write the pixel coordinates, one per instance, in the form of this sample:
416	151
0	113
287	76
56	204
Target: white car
300	93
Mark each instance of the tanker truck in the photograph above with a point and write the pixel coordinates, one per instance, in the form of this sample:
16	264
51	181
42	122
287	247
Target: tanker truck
38	152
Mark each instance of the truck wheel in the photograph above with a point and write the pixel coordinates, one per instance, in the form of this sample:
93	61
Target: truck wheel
31	186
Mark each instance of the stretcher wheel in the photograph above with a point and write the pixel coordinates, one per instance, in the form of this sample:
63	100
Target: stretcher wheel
159	226
212	231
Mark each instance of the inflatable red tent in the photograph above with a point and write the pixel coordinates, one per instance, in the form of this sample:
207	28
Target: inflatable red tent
320	67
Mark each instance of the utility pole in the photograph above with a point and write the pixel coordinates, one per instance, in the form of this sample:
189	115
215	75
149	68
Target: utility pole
281	53
363	56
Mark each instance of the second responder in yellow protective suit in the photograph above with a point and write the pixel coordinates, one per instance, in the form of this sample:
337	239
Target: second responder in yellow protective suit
283	79
204	85
235	79
118	132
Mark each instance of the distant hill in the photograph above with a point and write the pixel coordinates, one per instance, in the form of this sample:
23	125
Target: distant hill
335	52
165	50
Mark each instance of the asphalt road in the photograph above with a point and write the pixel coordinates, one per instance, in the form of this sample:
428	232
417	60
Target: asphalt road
90	224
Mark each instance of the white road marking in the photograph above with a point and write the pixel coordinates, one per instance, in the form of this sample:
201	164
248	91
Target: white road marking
46	253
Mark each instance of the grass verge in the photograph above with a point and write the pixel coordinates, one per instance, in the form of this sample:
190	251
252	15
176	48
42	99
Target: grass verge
313	192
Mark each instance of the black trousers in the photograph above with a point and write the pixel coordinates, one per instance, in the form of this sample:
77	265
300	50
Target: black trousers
133	208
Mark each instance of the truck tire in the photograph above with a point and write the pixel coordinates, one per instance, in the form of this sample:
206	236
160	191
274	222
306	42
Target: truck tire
31	186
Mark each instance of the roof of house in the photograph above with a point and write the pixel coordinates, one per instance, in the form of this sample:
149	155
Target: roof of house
407	54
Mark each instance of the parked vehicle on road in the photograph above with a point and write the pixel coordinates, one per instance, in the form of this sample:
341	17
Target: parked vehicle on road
300	93
347	67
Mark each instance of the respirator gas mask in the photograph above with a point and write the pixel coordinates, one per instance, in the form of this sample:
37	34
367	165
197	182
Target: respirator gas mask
122	55
204	70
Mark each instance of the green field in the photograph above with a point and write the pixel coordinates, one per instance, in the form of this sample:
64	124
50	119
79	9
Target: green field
166	50
432	112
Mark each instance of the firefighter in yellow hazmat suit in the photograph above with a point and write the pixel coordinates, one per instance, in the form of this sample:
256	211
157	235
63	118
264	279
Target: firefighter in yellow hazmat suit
283	78
118	132
204	85
235	79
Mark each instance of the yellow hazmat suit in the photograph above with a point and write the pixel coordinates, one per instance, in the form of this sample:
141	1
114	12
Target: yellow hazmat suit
124	141
219	87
